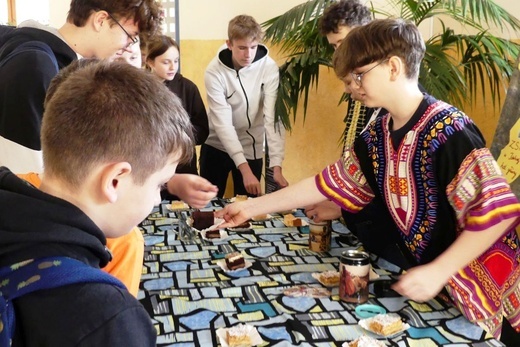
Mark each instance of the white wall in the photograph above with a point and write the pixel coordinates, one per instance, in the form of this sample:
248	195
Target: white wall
58	12
207	19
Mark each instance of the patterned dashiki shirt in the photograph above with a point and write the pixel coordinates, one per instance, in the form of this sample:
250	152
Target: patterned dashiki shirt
437	179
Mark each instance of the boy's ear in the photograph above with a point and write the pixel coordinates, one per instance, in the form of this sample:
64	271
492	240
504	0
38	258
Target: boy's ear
99	19
229	44
113	177
397	67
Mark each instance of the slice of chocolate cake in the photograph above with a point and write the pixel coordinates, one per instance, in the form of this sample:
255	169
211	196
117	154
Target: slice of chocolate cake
202	219
213	234
235	261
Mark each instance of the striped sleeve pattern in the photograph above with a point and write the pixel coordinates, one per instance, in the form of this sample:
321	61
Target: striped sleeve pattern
344	183
479	193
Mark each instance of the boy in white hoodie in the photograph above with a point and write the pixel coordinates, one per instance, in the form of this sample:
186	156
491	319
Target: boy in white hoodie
242	85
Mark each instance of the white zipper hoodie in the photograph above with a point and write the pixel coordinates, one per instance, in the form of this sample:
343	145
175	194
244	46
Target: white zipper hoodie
242	107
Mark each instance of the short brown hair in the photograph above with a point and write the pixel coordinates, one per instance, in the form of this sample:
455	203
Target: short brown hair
350	13
244	27
111	111
146	13
377	41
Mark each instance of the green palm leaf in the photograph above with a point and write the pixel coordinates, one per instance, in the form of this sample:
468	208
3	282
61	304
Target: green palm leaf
456	67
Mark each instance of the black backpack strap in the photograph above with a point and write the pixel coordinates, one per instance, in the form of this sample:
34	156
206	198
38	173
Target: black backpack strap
39	274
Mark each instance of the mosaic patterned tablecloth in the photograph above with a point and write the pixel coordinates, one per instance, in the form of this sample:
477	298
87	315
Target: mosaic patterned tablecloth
189	296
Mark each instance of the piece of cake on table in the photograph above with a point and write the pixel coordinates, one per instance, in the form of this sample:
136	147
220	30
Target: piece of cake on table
241	197
238	336
178	205
235	261
291	221
213	234
330	278
366	341
386	324
202	219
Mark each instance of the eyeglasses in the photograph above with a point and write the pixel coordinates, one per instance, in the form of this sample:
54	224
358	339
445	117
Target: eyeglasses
358	76
133	40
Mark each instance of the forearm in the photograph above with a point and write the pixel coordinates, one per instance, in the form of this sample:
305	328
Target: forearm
298	195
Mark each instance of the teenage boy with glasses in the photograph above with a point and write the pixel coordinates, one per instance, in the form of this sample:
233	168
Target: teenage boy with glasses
337	21
92	30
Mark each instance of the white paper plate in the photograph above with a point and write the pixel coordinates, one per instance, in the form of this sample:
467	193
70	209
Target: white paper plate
307	291
256	339
223	265
373	342
223	234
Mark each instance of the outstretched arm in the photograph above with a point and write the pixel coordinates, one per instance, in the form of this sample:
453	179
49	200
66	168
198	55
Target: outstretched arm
300	194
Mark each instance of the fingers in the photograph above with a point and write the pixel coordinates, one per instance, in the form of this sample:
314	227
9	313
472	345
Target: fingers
310	213
206	186
254	189
316	218
282	182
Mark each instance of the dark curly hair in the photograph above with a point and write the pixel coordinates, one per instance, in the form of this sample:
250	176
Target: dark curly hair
349	13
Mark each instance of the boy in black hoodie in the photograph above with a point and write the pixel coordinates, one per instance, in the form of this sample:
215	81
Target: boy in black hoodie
112	136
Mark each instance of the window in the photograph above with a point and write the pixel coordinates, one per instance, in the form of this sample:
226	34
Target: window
5	10
14	12
171	15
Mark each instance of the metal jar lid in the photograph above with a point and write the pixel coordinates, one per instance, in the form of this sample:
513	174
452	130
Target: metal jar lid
355	257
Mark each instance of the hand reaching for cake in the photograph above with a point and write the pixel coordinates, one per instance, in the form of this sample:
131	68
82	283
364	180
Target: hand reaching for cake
192	189
234	214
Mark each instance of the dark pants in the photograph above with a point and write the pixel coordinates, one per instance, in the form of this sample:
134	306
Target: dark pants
509	337
215	166
376	230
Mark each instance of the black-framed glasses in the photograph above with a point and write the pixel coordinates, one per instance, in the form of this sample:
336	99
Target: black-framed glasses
133	40
358	76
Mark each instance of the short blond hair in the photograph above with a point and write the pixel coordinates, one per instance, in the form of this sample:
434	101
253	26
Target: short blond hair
244	27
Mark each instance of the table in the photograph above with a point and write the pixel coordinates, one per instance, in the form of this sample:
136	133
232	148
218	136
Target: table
189	297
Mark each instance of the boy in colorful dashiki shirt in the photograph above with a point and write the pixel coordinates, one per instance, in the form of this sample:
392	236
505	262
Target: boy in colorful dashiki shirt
427	161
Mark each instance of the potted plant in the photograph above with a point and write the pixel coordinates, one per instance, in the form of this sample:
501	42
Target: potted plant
456	67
